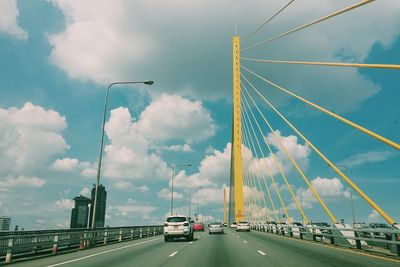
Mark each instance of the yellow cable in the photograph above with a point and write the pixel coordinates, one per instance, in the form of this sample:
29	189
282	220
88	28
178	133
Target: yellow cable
269	171
358	127
258	178
331	164
330	64
315	193
311	23
276	162
252	176
270	198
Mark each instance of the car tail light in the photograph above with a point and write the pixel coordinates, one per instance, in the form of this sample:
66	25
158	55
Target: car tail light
165	224
186	224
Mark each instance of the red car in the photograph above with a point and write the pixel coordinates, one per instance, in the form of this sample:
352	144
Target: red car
198	226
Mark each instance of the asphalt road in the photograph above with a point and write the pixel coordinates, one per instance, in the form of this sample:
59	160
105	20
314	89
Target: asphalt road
231	249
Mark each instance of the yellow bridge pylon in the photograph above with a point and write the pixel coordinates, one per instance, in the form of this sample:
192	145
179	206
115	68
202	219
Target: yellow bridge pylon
236	179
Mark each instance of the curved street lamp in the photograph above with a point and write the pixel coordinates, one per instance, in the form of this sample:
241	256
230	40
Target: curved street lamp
102	141
172	184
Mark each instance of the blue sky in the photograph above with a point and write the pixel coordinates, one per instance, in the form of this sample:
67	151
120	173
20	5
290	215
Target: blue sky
57	58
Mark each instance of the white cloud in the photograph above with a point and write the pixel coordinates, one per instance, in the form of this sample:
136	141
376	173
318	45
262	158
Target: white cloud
139	47
127	186
374	216
65	164
21	181
85	192
132	153
8	20
179	148
328	188
29	137
165	193
132	208
64	203
174	117
367	157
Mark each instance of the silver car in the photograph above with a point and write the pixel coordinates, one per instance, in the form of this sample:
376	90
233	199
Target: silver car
215	228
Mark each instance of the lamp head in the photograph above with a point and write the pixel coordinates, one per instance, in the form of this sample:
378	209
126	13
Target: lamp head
149	82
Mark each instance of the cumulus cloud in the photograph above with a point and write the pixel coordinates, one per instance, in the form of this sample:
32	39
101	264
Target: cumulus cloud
179	148
29	137
139	47
21	181
132	208
367	157
131	153
8	20
64	203
172	116
65	164
85	192
328	188
374	216
165	193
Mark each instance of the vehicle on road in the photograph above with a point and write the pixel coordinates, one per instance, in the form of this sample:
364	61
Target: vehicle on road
243	226
215	228
233	225
198	226
178	226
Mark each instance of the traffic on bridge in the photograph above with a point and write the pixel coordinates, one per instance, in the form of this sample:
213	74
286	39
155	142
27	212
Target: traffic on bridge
277	149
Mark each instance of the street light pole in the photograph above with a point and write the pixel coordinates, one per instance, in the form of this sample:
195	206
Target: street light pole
94	205
172	184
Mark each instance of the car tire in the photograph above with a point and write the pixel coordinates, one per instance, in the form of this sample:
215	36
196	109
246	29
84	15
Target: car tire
166	239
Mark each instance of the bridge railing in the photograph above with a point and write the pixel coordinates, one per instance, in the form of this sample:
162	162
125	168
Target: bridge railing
24	244
385	241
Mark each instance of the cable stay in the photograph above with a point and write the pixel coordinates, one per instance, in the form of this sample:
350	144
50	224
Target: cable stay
326	64
245	139
315	193
269	20
326	111
349	8
331	164
270	197
305	219
246	128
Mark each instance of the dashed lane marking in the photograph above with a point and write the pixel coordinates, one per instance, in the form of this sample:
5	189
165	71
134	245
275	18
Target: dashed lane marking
173	254
260	252
244	241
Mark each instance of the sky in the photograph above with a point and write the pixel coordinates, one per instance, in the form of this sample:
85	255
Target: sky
57	57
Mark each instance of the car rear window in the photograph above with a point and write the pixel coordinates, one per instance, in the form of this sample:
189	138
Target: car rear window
176	219
243	222
215	223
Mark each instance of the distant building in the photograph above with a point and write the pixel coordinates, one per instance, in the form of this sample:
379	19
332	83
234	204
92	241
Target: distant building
5	223
101	206
80	212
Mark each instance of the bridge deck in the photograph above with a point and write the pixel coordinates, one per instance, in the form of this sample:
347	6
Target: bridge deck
231	249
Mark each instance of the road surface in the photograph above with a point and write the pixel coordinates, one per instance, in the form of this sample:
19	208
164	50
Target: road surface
231	249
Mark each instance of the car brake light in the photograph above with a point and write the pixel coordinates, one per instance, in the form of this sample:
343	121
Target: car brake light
165	224
186	224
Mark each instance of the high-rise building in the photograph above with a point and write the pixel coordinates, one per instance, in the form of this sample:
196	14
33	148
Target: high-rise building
5	223
101	206
80	212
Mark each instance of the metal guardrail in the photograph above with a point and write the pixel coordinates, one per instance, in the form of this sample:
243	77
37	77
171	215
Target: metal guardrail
24	244
369	239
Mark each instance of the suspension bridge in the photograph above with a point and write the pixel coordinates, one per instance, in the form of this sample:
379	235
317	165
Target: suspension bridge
260	192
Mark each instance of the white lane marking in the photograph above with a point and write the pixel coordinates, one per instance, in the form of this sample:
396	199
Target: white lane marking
237	236
103	252
262	253
244	241
191	242
173	254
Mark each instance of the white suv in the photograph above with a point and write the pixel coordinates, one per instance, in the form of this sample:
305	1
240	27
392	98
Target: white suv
178	226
